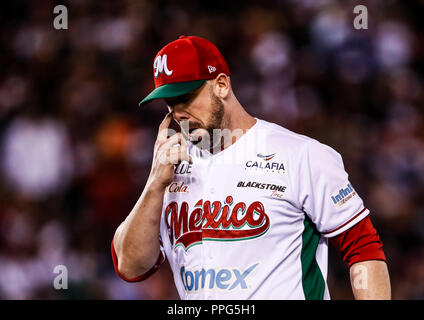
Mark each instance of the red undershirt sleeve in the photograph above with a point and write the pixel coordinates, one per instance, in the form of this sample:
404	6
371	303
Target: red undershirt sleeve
144	276
359	243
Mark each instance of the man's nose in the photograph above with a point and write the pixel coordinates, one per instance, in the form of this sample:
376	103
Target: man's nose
180	115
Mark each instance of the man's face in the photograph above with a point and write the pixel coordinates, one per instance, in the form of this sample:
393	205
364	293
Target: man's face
200	112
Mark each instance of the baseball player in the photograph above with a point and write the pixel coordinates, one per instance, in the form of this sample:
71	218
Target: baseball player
242	208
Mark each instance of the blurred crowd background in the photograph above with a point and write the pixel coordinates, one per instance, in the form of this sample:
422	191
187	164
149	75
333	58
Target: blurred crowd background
75	148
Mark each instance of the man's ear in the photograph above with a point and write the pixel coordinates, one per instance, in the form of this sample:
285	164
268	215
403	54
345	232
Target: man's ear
222	86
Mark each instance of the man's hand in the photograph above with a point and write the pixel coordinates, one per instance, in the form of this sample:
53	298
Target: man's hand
136	240
167	152
370	280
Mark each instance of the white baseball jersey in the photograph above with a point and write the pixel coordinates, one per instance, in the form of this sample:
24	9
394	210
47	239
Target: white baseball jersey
252	221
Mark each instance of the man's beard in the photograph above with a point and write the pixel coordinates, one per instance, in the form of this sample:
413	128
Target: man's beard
210	137
216	118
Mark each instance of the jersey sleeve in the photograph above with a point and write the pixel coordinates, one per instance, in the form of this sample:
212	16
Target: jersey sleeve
325	192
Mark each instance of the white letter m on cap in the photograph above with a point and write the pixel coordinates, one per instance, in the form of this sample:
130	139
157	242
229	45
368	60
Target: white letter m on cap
160	65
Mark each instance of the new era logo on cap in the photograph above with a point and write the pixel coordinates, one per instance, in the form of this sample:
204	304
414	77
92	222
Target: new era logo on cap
211	69
184	65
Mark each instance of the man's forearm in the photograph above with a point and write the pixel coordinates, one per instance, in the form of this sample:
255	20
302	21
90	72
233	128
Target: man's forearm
136	240
370	280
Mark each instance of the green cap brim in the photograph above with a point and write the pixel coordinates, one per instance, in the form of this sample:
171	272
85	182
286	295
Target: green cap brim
172	90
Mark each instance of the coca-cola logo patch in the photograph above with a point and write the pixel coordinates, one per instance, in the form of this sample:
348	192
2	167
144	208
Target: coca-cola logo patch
215	221
177	187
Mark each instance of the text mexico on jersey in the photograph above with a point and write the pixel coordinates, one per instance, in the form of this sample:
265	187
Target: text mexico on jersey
252	221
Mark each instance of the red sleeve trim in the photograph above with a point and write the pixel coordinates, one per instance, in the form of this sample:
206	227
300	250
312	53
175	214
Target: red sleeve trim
359	243
142	277
344	224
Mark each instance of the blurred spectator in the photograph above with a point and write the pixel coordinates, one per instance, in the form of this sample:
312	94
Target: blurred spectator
37	159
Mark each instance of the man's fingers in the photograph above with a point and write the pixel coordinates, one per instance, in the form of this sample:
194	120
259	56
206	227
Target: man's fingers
163	128
175	139
178	155
166	121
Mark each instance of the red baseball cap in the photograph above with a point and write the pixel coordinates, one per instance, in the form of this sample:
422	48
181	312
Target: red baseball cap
184	65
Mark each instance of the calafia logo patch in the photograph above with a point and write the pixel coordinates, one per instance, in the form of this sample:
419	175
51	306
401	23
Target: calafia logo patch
266	157
215	221
264	164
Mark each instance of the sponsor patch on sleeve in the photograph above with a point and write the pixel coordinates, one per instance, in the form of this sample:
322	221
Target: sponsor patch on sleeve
344	195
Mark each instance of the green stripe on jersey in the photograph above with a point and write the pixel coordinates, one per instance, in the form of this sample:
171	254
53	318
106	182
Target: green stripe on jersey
312	280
